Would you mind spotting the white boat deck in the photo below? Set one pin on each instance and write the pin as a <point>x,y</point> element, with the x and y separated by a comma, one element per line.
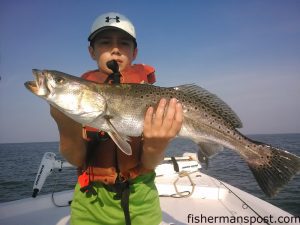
<point>213,201</point>
<point>210,202</point>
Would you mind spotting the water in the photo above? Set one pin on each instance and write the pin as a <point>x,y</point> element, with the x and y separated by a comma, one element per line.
<point>19,164</point>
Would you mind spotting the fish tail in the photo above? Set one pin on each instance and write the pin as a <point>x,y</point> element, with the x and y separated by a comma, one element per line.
<point>274,168</point>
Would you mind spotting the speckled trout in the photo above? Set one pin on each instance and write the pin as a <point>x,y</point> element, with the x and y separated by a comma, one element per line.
<point>119,109</point>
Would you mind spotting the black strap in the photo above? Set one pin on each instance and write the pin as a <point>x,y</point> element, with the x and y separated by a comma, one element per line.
<point>122,190</point>
<point>125,205</point>
<point>114,77</point>
<point>175,164</point>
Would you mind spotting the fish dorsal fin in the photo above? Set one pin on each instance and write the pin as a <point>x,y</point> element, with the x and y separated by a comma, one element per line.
<point>204,97</point>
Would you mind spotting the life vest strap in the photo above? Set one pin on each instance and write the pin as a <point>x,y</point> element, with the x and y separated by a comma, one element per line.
<point>109,176</point>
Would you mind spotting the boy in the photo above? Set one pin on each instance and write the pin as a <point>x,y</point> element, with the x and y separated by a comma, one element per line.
<point>114,188</point>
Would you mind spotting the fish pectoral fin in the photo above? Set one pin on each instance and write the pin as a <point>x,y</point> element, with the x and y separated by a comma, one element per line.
<point>207,150</point>
<point>120,140</point>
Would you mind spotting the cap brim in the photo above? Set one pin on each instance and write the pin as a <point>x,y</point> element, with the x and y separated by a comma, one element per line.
<point>96,32</point>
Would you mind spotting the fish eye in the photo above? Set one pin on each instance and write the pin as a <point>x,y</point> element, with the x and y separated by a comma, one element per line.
<point>59,80</point>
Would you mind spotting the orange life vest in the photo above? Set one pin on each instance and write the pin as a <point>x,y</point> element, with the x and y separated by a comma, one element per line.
<point>138,73</point>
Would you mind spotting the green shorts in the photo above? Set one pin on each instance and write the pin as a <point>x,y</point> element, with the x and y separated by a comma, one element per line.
<point>103,208</point>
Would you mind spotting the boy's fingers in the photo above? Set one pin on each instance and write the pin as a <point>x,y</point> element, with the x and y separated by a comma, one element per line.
<point>159,113</point>
<point>166,121</point>
<point>178,119</point>
<point>170,114</point>
<point>148,120</point>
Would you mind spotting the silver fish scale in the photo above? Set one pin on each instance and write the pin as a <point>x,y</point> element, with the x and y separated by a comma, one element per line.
<point>127,104</point>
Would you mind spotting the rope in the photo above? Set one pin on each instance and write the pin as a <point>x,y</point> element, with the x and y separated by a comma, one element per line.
<point>182,194</point>
<point>52,195</point>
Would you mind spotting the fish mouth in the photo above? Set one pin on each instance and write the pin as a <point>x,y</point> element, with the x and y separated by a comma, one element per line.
<point>31,86</point>
<point>39,85</point>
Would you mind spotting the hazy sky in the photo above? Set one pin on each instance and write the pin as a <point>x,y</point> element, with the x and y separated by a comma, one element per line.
<point>246,52</point>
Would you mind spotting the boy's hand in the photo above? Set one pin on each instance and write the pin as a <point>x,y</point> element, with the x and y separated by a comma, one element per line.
<point>159,128</point>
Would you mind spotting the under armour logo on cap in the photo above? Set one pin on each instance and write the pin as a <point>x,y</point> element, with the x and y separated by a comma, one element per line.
<point>107,19</point>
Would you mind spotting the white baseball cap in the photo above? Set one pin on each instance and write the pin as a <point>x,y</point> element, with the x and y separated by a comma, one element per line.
<point>112,20</point>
